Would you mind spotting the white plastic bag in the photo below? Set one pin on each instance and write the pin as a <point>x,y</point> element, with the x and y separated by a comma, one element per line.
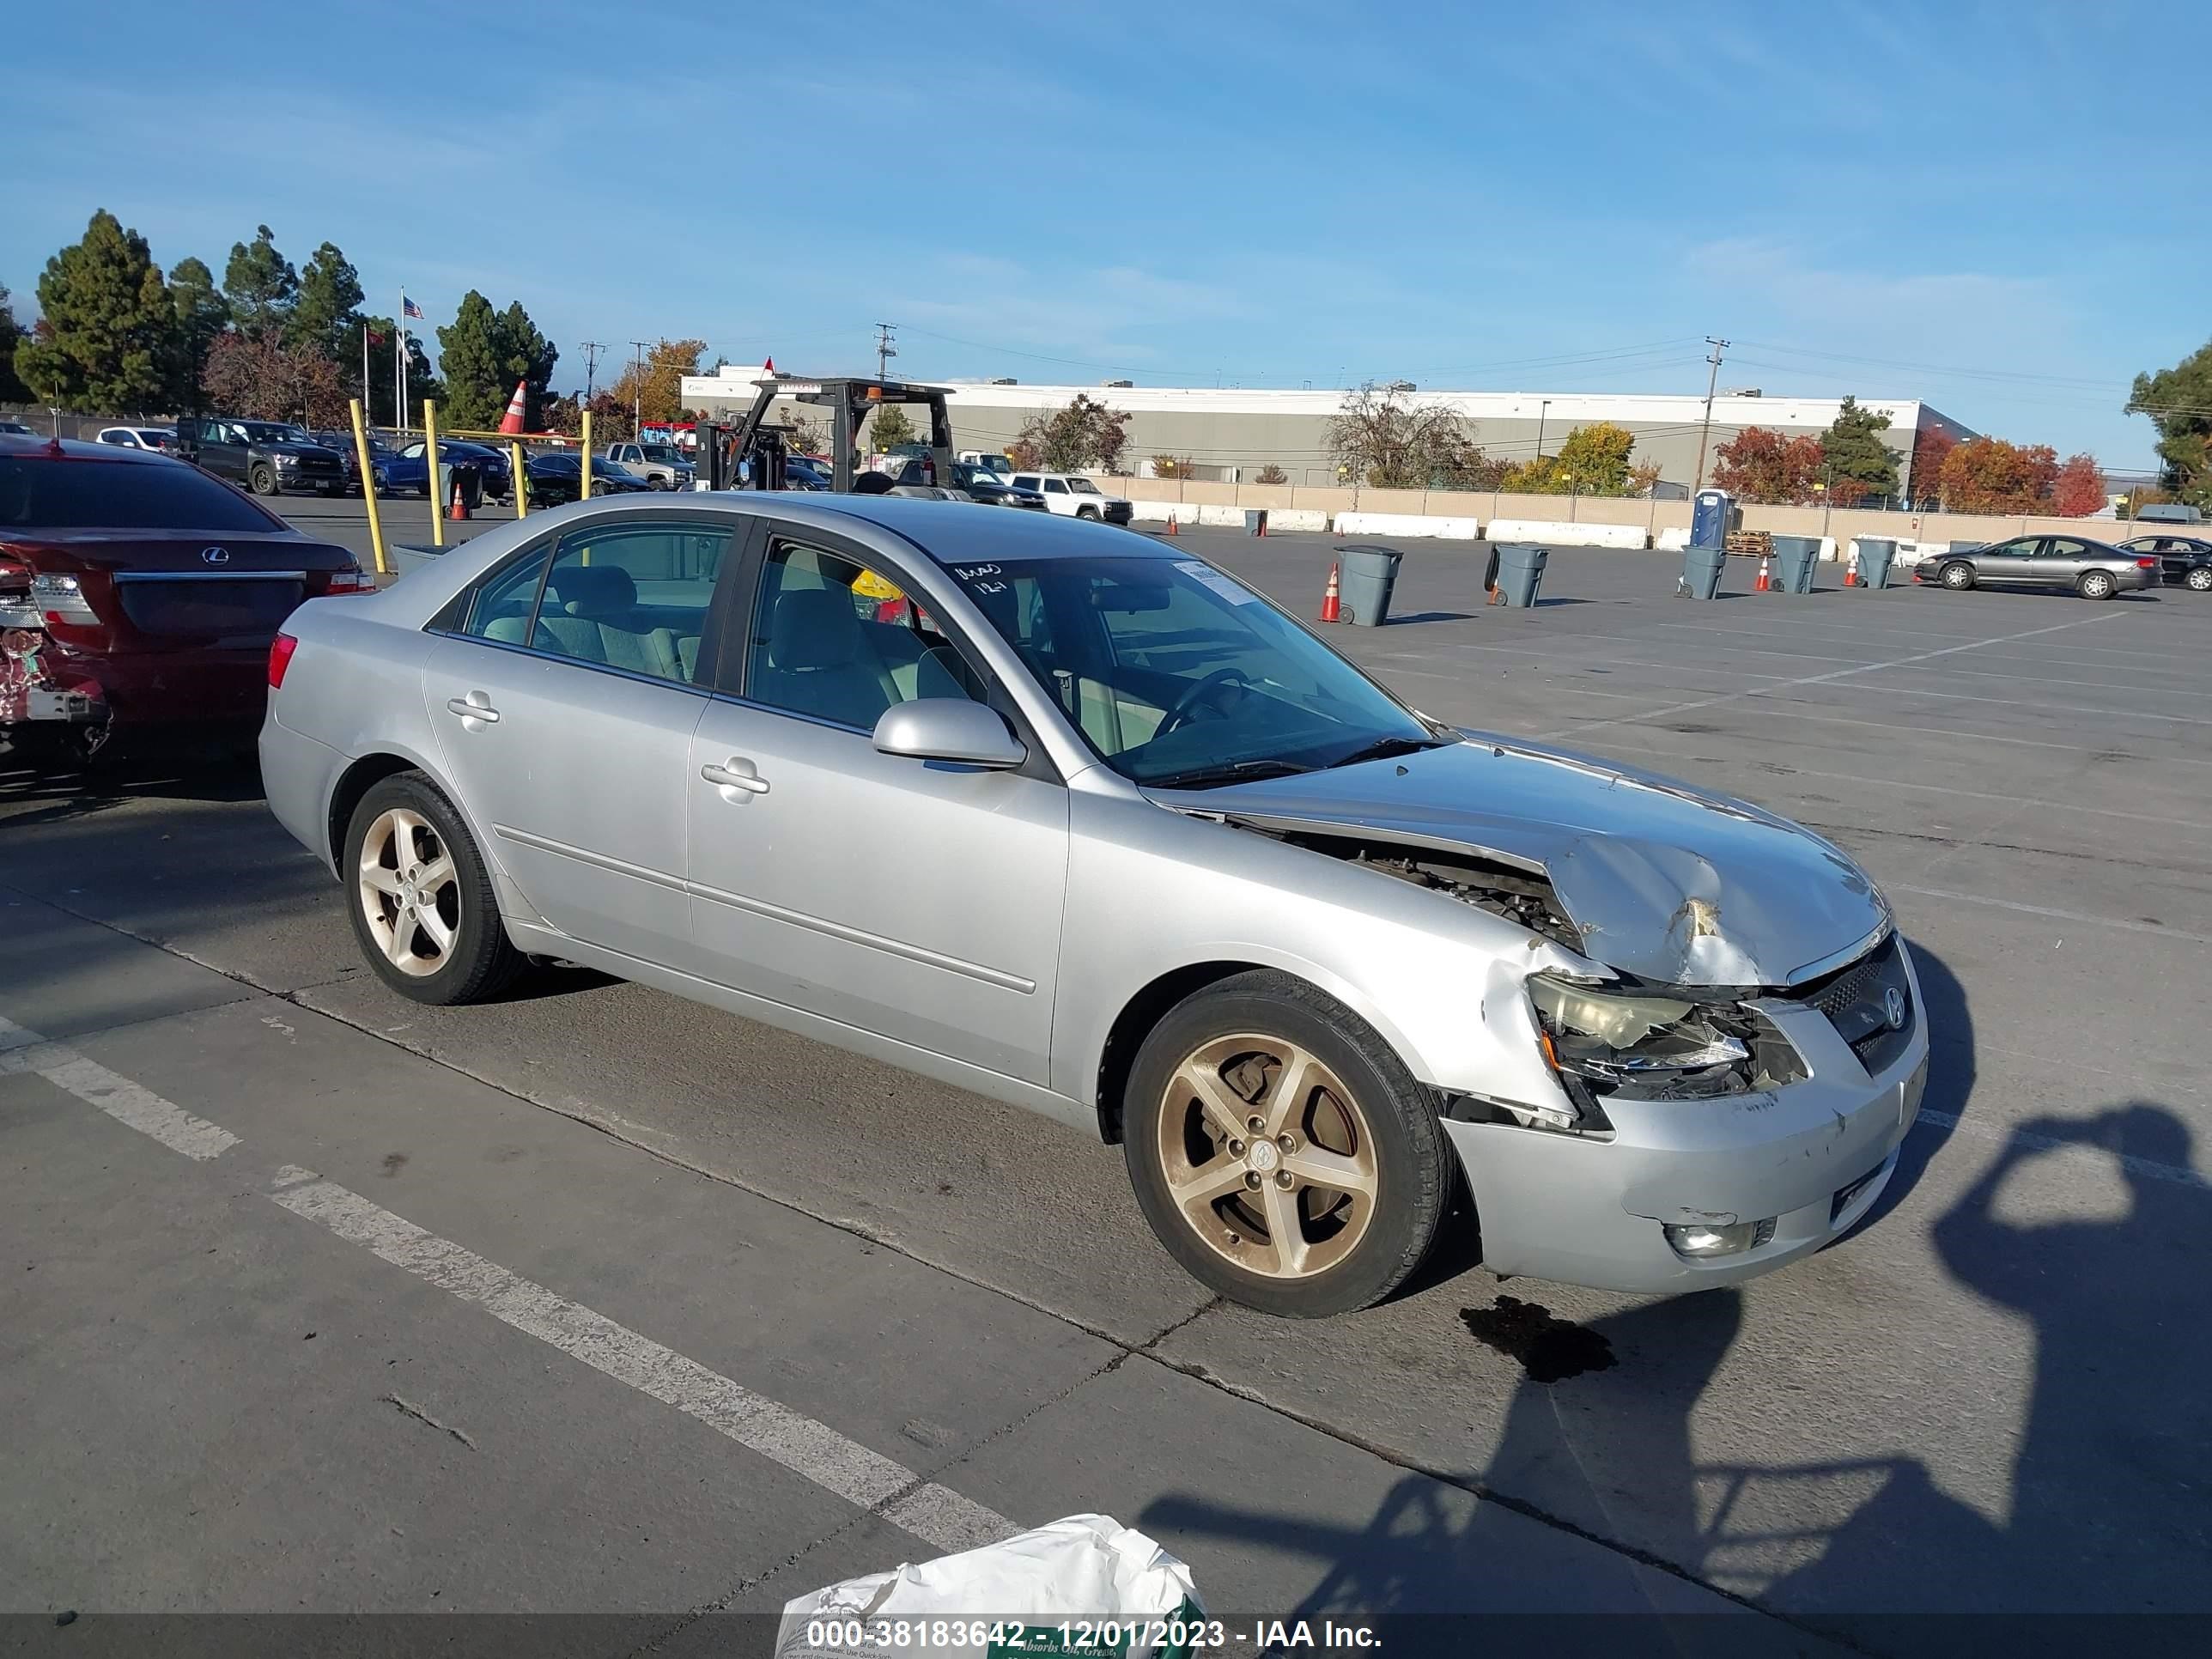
<point>1082,1586</point>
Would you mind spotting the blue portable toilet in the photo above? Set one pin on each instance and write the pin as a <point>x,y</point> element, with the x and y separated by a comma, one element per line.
<point>1712,515</point>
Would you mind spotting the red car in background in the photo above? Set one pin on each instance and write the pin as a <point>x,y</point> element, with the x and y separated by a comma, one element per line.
<point>139,592</point>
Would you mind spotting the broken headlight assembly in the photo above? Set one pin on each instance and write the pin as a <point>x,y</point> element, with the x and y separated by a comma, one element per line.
<point>1633,1044</point>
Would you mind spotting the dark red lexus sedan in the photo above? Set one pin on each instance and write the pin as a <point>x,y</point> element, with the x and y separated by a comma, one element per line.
<point>137,591</point>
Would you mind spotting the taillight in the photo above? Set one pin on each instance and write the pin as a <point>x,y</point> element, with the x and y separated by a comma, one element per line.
<point>352,580</point>
<point>280,658</point>
<point>2147,564</point>
<point>62,599</point>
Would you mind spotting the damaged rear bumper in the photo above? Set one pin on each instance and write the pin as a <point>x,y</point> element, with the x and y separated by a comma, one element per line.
<point>1812,1158</point>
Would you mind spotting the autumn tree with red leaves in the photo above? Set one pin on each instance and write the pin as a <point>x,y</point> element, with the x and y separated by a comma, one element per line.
<point>1761,466</point>
<point>2079,488</point>
<point>1988,475</point>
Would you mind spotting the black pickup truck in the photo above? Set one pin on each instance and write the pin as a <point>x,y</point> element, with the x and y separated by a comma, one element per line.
<point>270,457</point>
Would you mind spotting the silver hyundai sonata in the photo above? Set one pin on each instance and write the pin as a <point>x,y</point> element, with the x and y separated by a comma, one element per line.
<point>1062,815</point>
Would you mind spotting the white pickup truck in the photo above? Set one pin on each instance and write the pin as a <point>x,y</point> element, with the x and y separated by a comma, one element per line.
<point>663,466</point>
<point>1074,496</point>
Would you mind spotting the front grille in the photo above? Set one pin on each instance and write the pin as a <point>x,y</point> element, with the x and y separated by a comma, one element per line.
<point>1857,1003</point>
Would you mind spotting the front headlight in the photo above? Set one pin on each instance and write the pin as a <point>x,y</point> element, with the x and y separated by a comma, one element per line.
<point>1641,1046</point>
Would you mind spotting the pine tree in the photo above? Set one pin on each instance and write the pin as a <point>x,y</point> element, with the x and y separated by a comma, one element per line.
<point>2178,401</point>
<point>325,316</point>
<point>12,390</point>
<point>261,286</point>
<point>469,358</point>
<point>201,314</point>
<point>107,342</point>
<point>1853,453</point>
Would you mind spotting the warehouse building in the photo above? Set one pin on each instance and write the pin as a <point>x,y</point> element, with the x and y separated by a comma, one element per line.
<point>1231,433</point>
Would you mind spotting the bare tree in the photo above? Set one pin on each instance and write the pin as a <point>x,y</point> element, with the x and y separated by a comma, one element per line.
<point>1380,437</point>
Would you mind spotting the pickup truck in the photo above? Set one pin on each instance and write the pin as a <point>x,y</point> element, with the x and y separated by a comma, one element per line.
<point>270,457</point>
<point>1074,496</point>
<point>663,466</point>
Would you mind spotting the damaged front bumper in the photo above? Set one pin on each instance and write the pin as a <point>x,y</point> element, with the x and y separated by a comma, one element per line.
<point>1798,1164</point>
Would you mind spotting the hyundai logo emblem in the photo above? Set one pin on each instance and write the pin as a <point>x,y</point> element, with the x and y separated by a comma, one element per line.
<point>1892,1008</point>
<point>215,556</point>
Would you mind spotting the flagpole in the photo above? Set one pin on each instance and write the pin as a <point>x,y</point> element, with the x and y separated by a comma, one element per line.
<point>399,366</point>
<point>366,397</point>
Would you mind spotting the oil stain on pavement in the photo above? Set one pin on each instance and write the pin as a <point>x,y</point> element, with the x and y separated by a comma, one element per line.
<point>1548,1348</point>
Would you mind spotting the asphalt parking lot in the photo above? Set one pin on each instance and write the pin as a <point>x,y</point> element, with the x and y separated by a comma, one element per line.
<point>594,1299</point>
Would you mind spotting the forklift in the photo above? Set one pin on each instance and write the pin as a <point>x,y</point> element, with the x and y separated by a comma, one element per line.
<point>750,455</point>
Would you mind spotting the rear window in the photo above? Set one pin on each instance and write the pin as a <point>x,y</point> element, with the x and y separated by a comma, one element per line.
<point>39,494</point>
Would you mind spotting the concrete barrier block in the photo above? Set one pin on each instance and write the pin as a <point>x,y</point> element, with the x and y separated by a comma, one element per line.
<point>1673,540</point>
<point>1407,525</point>
<point>1227,517</point>
<point>1160,511</point>
<point>1561,533</point>
<point>1289,519</point>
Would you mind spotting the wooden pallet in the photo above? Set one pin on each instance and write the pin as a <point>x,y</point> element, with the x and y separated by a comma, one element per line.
<point>1759,544</point>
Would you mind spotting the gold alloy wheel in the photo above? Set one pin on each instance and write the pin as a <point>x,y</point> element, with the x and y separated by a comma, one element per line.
<point>1267,1156</point>
<point>410,894</point>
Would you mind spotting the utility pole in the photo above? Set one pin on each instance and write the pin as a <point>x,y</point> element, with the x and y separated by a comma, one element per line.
<point>1712,380</point>
<point>637,391</point>
<point>885,350</point>
<point>591,350</point>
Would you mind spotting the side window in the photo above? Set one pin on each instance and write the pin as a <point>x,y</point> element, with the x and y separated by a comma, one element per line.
<point>1053,487</point>
<point>502,606</point>
<point>836,641</point>
<point>1025,481</point>
<point>2059,547</point>
<point>634,596</point>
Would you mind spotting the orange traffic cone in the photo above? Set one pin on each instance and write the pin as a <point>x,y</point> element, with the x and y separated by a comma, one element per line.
<point>512,420</point>
<point>1765,582</point>
<point>1172,530</point>
<point>460,509</point>
<point>1852,568</point>
<point>1329,610</point>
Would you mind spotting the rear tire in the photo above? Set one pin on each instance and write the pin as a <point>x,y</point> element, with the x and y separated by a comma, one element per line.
<point>2096,585</point>
<point>420,897</point>
<point>1361,1118</point>
<point>1957,576</point>
<point>262,480</point>
<point>2199,579</point>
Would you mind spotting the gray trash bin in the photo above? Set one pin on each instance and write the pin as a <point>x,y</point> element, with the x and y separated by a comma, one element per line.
<point>1793,559</point>
<point>1701,571</point>
<point>1370,575</point>
<point>1876,555</point>
<point>1255,520</point>
<point>1520,573</point>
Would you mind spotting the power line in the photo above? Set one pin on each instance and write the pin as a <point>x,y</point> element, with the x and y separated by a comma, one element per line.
<point>1698,478</point>
<point>885,350</point>
<point>591,350</point>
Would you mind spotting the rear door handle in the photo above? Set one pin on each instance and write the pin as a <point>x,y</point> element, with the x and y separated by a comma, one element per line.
<point>469,709</point>
<point>727,777</point>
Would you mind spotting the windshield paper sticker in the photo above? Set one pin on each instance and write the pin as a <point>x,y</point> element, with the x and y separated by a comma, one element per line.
<point>1208,576</point>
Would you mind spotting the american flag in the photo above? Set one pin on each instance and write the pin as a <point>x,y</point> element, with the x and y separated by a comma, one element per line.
<point>409,308</point>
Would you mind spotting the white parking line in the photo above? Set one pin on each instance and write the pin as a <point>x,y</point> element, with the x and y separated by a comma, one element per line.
<point>2148,1167</point>
<point>2086,920</point>
<point>935,1514</point>
<point>1816,679</point>
<point>25,1050</point>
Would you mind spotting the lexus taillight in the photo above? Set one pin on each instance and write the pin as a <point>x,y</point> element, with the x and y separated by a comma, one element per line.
<point>351,580</point>
<point>62,599</point>
<point>280,658</point>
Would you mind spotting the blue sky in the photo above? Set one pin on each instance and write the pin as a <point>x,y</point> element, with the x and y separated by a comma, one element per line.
<point>1995,207</point>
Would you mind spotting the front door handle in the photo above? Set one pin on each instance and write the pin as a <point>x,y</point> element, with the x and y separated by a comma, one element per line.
<point>470,709</point>
<point>728,776</point>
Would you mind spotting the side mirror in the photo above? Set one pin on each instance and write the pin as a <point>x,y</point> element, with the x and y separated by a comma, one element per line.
<point>948,729</point>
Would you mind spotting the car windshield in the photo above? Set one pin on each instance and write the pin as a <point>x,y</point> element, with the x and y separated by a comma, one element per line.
<point>1179,676</point>
<point>610,470</point>
<point>41,493</point>
<point>1083,486</point>
<point>274,432</point>
<point>664,454</point>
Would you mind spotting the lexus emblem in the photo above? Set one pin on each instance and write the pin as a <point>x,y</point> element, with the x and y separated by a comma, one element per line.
<point>1892,1008</point>
<point>215,556</point>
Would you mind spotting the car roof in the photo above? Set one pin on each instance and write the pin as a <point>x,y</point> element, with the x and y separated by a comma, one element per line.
<point>956,534</point>
<point>14,446</point>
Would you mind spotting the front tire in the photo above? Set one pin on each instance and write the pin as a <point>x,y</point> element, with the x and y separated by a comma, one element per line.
<point>262,480</point>
<point>1334,1199</point>
<point>2199,579</point>
<point>2096,585</point>
<point>1086,512</point>
<point>420,897</point>
<point>1957,576</point>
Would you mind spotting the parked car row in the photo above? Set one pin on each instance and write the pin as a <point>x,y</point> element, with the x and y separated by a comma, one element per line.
<point>2093,570</point>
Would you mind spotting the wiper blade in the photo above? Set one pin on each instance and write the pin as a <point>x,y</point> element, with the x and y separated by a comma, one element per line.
<point>1243,771</point>
<point>1384,748</point>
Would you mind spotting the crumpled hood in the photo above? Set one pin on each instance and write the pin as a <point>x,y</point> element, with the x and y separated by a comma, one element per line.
<point>1665,881</point>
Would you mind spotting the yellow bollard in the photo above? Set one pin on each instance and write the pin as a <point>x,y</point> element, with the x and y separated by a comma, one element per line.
<point>430,463</point>
<point>368,489</point>
<point>521,478</point>
<point>584,494</point>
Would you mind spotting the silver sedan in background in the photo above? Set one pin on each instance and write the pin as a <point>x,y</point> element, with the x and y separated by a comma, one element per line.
<point>2095,571</point>
<point>1063,816</point>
